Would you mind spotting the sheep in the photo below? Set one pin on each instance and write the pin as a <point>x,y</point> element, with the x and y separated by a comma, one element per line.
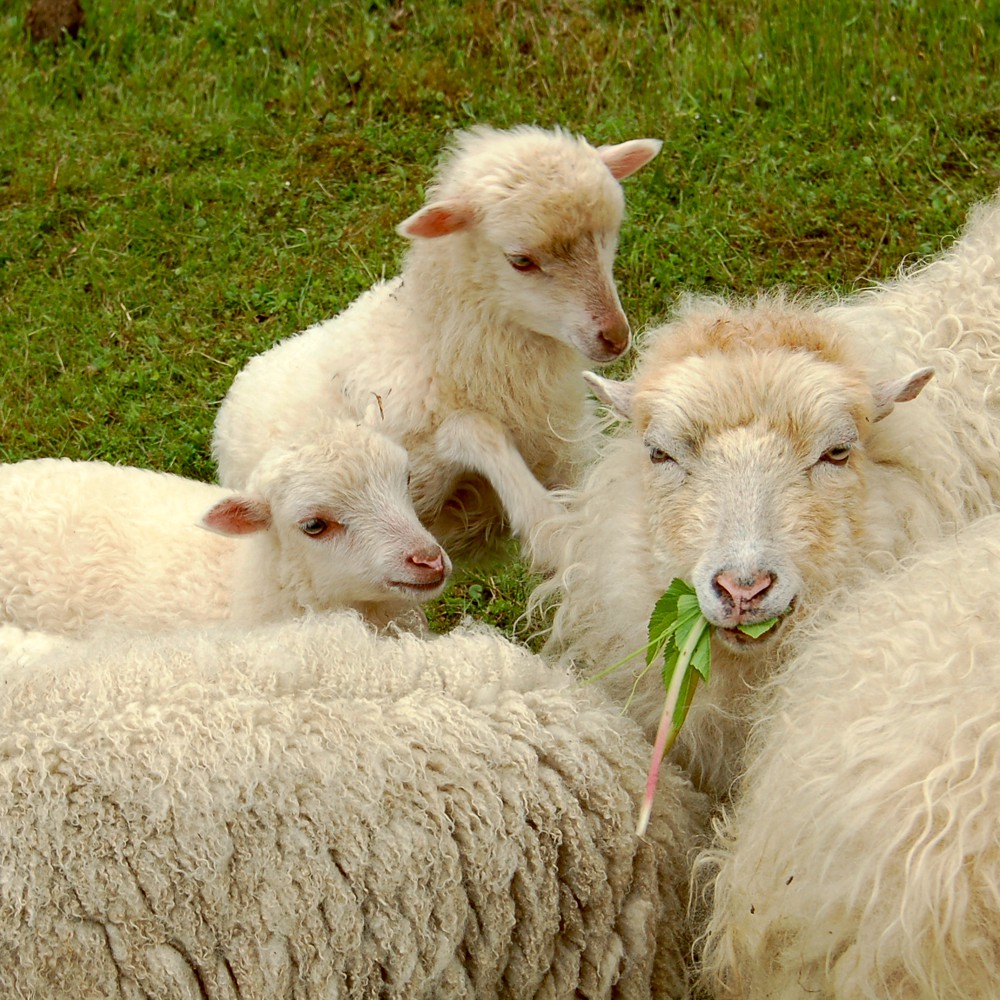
<point>22,646</point>
<point>862,856</point>
<point>326,524</point>
<point>475,350</point>
<point>764,465</point>
<point>307,809</point>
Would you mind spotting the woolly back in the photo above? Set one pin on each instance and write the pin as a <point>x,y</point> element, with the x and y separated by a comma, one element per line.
<point>877,875</point>
<point>308,810</point>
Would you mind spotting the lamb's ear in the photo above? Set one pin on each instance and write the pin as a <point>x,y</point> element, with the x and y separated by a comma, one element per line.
<point>617,396</point>
<point>439,218</point>
<point>237,515</point>
<point>626,158</point>
<point>899,390</point>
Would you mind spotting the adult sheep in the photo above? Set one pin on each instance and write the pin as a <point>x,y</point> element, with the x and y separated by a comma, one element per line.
<point>765,466</point>
<point>324,525</point>
<point>862,857</point>
<point>309,810</point>
<point>475,350</point>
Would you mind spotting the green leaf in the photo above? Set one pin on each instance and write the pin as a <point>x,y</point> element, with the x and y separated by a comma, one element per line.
<point>664,620</point>
<point>758,628</point>
<point>687,605</point>
<point>684,700</point>
<point>670,658</point>
<point>701,659</point>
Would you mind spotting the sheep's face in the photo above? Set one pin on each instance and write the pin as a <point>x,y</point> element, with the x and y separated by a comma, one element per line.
<point>757,508</point>
<point>535,217</point>
<point>339,518</point>
<point>755,474</point>
<point>348,525</point>
<point>563,289</point>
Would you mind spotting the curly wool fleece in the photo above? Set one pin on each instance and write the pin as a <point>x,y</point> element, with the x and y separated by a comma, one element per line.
<point>307,810</point>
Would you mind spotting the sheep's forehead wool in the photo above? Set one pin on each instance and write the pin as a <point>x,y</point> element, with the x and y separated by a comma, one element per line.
<point>350,461</point>
<point>531,185</point>
<point>792,394</point>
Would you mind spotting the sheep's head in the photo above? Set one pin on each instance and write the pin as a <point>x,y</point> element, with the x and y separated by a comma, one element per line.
<point>338,514</point>
<point>754,425</point>
<point>539,213</point>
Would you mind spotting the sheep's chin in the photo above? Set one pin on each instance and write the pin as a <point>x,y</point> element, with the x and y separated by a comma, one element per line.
<point>739,641</point>
<point>596,351</point>
<point>418,591</point>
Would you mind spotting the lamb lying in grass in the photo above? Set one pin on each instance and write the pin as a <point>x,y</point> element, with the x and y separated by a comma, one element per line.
<point>765,465</point>
<point>862,857</point>
<point>324,525</point>
<point>306,809</point>
<point>474,352</point>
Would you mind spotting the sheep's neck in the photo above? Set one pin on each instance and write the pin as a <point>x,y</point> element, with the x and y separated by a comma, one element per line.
<point>261,589</point>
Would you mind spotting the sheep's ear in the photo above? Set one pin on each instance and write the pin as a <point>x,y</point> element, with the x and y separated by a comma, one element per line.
<point>626,158</point>
<point>617,396</point>
<point>900,390</point>
<point>238,515</point>
<point>437,219</point>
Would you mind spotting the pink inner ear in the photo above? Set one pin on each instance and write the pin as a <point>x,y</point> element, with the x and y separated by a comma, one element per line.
<point>626,158</point>
<point>237,516</point>
<point>438,219</point>
<point>901,390</point>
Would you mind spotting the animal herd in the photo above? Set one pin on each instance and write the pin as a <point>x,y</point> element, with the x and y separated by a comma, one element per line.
<point>460,811</point>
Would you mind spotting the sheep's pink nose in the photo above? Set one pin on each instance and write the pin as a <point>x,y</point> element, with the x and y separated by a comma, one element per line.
<point>740,591</point>
<point>614,335</point>
<point>431,561</point>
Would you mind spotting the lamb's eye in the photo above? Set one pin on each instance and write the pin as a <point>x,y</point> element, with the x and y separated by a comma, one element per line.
<point>522,262</point>
<point>837,455</point>
<point>317,527</point>
<point>658,456</point>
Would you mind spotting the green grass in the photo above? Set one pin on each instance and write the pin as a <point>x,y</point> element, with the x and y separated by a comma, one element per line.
<point>187,183</point>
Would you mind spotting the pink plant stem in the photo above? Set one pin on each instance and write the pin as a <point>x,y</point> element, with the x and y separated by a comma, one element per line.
<point>666,733</point>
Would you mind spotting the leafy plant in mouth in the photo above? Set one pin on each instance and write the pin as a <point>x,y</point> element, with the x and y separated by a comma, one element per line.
<point>682,636</point>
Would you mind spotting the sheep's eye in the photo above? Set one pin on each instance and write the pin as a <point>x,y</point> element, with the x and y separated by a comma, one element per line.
<point>522,262</point>
<point>658,456</point>
<point>838,455</point>
<point>316,527</point>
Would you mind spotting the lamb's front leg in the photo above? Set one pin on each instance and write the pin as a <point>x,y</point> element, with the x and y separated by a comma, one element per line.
<point>481,444</point>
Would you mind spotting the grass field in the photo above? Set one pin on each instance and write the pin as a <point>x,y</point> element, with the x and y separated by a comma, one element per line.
<point>188,182</point>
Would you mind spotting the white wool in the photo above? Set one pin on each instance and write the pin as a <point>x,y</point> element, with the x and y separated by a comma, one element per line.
<point>768,436</point>
<point>861,860</point>
<point>84,544</point>
<point>474,352</point>
<point>309,810</point>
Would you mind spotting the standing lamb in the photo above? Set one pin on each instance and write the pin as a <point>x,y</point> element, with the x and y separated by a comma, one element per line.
<point>765,466</point>
<point>475,350</point>
<point>328,524</point>
<point>862,857</point>
<point>308,810</point>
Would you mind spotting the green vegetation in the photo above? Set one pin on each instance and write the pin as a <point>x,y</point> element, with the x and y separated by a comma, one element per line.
<point>188,182</point>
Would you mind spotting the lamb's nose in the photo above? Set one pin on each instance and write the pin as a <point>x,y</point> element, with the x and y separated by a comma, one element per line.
<point>615,335</point>
<point>431,561</point>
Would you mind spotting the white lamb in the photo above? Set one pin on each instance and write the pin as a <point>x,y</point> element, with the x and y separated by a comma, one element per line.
<point>309,810</point>
<point>474,352</point>
<point>861,860</point>
<point>765,466</point>
<point>328,524</point>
